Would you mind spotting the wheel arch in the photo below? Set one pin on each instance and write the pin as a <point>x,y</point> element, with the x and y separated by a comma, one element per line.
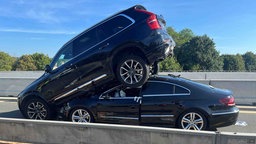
<point>194,109</point>
<point>131,48</point>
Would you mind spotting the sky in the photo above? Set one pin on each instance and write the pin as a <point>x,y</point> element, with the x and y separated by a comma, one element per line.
<point>43,26</point>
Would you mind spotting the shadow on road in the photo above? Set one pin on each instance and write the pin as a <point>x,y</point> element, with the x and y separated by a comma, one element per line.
<point>11,114</point>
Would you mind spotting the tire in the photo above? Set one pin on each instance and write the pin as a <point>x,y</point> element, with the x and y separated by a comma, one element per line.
<point>81,115</point>
<point>132,71</point>
<point>192,120</point>
<point>37,109</point>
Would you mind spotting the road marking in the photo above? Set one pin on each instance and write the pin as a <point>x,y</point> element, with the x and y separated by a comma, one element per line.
<point>248,112</point>
<point>4,101</point>
<point>247,107</point>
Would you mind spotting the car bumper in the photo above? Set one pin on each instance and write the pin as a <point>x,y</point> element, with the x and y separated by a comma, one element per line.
<point>160,52</point>
<point>222,119</point>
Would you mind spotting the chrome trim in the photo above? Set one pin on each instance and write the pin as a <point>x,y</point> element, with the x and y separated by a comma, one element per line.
<point>160,116</point>
<point>118,98</point>
<point>81,86</point>
<point>153,95</point>
<point>224,113</point>
<point>114,117</point>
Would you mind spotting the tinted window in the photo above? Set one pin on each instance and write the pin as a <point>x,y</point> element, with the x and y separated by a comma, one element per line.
<point>180,90</point>
<point>157,88</point>
<point>85,41</point>
<point>63,56</point>
<point>114,26</point>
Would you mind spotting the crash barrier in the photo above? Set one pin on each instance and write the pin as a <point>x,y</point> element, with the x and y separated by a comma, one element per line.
<point>35,131</point>
<point>243,84</point>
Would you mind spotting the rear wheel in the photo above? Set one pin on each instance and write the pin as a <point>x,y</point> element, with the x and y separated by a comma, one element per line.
<point>192,120</point>
<point>132,71</point>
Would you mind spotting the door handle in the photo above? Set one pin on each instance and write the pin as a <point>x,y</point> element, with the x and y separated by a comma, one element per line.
<point>104,46</point>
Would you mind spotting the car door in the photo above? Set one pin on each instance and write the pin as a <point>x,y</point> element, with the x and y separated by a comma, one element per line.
<point>159,102</point>
<point>117,106</point>
<point>63,77</point>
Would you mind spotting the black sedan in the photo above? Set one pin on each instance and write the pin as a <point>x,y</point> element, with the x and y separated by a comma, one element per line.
<point>168,101</point>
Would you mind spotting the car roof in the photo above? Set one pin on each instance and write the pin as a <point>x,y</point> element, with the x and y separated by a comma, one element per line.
<point>180,81</point>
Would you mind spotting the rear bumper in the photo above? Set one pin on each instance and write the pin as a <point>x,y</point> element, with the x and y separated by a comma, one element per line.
<point>222,119</point>
<point>160,52</point>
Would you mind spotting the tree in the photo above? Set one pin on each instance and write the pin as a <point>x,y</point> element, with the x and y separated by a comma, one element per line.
<point>40,60</point>
<point>233,63</point>
<point>6,61</point>
<point>36,61</point>
<point>170,64</point>
<point>25,63</point>
<point>180,37</point>
<point>199,54</point>
<point>249,61</point>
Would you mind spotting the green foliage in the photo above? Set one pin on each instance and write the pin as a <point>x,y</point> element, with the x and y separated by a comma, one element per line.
<point>250,61</point>
<point>25,63</point>
<point>233,62</point>
<point>40,60</point>
<point>180,37</point>
<point>6,61</point>
<point>170,64</point>
<point>199,54</point>
<point>32,62</point>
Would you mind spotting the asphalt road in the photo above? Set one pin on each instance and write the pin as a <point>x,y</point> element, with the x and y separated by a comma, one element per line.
<point>246,120</point>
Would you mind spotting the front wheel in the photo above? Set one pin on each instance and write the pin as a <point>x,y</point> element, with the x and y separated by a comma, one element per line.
<point>132,71</point>
<point>80,115</point>
<point>192,120</point>
<point>37,109</point>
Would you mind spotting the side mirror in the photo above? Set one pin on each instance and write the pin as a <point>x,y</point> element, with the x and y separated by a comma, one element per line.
<point>48,69</point>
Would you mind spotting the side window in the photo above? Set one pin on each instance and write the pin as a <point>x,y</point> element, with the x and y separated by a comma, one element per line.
<point>85,41</point>
<point>116,92</point>
<point>119,92</point>
<point>113,26</point>
<point>180,90</point>
<point>63,56</point>
<point>157,88</point>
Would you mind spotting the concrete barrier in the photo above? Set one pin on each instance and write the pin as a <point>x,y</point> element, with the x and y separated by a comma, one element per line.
<point>13,82</point>
<point>243,84</point>
<point>31,131</point>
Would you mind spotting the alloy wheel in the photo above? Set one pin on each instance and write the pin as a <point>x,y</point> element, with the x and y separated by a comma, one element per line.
<point>81,116</point>
<point>131,71</point>
<point>192,121</point>
<point>36,110</point>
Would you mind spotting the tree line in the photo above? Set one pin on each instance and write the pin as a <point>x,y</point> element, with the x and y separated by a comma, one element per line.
<point>192,53</point>
<point>28,62</point>
<point>198,53</point>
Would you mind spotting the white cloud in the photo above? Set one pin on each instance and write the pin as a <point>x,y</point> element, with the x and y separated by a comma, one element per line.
<point>36,31</point>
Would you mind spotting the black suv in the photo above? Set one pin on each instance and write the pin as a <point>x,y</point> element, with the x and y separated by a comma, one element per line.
<point>124,48</point>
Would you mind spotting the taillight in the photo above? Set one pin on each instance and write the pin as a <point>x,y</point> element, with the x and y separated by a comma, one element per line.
<point>228,101</point>
<point>152,20</point>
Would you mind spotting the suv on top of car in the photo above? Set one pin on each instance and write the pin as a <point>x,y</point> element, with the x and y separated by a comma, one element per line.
<point>125,47</point>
